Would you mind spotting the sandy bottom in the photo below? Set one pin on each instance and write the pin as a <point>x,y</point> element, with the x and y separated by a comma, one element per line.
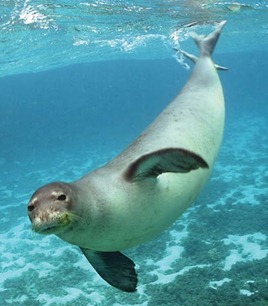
<point>215,254</point>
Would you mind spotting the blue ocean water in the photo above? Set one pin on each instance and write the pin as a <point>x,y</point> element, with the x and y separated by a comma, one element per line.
<point>79,81</point>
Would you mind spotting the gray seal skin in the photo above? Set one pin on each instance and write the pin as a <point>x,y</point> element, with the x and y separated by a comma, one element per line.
<point>148,186</point>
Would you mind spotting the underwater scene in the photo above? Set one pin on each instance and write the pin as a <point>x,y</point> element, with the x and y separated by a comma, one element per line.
<point>79,82</point>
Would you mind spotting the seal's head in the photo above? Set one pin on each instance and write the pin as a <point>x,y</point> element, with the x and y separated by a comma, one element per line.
<point>50,208</point>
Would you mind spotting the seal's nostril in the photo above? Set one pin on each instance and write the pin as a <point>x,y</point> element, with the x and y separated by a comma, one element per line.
<point>30,207</point>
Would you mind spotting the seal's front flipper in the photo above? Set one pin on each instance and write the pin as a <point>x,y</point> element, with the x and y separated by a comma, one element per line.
<point>115,268</point>
<point>166,160</point>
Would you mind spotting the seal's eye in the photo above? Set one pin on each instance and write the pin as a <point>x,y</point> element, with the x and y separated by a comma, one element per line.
<point>30,208</point>
<point>62,197</point>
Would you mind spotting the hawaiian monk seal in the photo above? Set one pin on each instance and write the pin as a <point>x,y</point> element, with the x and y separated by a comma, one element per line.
<point>148,186</point>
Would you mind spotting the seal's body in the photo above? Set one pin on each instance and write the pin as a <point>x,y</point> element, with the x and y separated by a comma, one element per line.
<point>148,186</point>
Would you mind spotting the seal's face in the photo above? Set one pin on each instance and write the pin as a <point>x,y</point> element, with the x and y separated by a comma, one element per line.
<point>50,208</point>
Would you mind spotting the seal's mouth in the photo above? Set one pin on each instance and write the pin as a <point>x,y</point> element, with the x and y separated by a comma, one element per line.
<point>48,229</point>
<point>51,223</point>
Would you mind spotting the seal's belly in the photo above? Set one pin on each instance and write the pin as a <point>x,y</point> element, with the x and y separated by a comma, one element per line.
<point>139,214</point>
<point>172,195</point>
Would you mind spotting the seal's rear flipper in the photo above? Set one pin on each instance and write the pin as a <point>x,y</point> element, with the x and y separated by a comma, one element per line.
<point>206,44</point>
<point>166,160</point>
<point>114,267</point>
<point>194,59</point>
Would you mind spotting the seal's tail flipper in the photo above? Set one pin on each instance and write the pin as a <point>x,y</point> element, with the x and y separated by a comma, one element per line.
<point>194,59</point>
<point>206,44</point>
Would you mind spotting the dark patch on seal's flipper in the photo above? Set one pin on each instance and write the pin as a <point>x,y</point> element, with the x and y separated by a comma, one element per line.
<point>165,160</point>
<point>114,267</point>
